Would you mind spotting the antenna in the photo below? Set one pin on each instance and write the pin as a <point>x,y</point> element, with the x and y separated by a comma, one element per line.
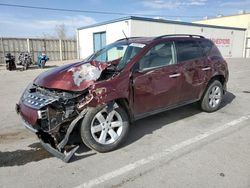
<point>125,35</point>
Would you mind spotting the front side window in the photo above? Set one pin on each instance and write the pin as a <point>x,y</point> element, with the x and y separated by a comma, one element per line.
<point>160,55</point>
<point>132,50</point>
<point>188,50</point>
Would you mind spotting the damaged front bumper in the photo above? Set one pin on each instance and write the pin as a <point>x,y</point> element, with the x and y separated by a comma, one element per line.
<point>58,150</point>
<point>64,156</point>
<point>28,126</point>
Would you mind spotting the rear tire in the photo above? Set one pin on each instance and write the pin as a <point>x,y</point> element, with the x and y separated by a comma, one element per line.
<point>212,97</point>
<point>104,130</point>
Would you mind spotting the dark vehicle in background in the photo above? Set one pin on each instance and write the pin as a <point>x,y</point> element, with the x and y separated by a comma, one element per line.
<point>25,60</point>
<point>10,62</point>
<point>125,81</point>
<point>41,60</point>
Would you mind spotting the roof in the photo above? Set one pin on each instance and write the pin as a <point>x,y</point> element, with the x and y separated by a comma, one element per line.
<point>159,21</point>
<point>147,40</point>
<point>143,40</point>
<point>221,17</point>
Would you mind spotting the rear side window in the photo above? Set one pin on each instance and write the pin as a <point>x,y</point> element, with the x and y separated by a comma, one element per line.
<point>188,50</point>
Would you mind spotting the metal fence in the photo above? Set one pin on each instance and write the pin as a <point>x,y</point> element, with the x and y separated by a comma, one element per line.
<point>54,48</point>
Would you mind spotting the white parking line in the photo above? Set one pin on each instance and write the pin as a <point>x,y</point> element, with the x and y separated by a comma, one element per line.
<point>238,72</point>
<point>157,156</point>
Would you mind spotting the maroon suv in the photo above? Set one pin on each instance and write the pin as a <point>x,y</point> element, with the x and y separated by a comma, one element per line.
<point>125,81</point>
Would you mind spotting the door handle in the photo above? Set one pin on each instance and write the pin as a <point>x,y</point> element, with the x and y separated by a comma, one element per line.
<point>174,75</point>
<point>206,68</point>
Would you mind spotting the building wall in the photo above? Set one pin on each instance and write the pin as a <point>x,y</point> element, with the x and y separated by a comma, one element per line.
<point>247,50</point>
<point>230,42</point>
<point>113,33</point>
<point>241,21</point>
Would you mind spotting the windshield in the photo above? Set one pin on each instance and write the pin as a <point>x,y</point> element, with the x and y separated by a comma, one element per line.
<point>122,52</point>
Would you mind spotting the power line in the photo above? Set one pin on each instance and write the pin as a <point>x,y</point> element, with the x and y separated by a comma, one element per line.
<point>92,11</point>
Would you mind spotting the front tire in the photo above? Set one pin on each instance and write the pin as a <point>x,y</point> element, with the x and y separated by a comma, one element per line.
<point>104,130</point>
<point>212,97</point>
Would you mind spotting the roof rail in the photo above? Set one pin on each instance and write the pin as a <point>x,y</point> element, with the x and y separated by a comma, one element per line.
<point>179,35</point>
<point>128,38</point>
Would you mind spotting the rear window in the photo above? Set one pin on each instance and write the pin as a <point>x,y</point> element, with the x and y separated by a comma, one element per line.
<point>187,50</point>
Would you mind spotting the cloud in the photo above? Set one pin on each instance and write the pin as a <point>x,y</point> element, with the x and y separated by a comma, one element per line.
<point>17,26</point>
<point>159,4</point>
<point>236,4</point>
<point>169,4</point>
<point>197,2</point>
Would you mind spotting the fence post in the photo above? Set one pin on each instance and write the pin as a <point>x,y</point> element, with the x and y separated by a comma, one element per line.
<point>28,45</point>
<point>77,44</point>
<point>60,47</point>
<point>2,45</point>
<point>3,50</point>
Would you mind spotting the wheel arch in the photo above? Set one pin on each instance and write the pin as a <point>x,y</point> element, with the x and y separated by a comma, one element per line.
<point>124,103</point>
<point>218,77</point>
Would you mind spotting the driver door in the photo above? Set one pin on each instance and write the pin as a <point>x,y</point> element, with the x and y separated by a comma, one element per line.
<point>156,84</point>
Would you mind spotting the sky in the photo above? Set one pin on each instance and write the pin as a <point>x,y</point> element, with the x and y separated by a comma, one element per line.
<point>23,22</point>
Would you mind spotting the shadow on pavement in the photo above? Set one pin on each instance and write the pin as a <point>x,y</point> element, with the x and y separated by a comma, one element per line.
<point>150,124</point>
<point>81,153</point>
<point>140,129</point>
<point>22,157</point>
<point>228,98</point>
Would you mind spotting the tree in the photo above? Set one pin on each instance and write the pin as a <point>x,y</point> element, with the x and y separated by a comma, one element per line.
<point>60,31</point>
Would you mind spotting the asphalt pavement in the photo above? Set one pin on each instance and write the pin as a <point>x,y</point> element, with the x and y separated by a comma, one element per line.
<point>184,147</point>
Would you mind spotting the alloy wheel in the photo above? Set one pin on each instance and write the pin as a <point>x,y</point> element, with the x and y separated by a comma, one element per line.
<point>106,127</point>
<point>215,96</point>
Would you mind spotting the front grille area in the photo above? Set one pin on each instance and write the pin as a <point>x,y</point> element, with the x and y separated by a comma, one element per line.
<point>37,101</point>
<point>42,114</point>
<point>53,108</point>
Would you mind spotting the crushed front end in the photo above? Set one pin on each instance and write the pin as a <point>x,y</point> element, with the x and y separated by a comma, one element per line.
<point>52,115</point>
<point>56,101</point>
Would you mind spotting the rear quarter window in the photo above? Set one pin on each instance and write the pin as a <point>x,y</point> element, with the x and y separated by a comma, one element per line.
<point>206,46</point>
<point>209,48</point>
<point>188,50</point>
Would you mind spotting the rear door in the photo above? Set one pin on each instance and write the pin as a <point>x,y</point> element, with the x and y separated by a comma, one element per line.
<point>207,47</point>
<point>157,81</point>
<point>191,60</point>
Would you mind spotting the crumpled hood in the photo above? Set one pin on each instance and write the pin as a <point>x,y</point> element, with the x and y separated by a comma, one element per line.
<point>72,77</point>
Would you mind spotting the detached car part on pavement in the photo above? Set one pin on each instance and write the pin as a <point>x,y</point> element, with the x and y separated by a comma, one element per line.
<point>132,78</point>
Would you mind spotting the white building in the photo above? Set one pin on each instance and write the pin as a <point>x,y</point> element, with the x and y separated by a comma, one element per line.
<point>241,20</point>
<point>230,40</point>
